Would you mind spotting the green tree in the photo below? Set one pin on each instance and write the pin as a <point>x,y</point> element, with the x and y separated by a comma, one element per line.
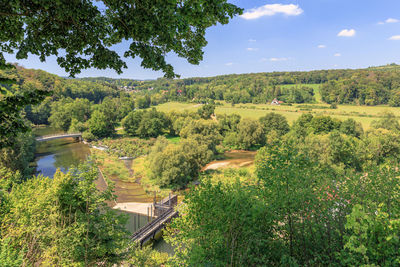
<point>153,123</point>
<point>301,127</point>
<point>100,125</point>
<point>64,221</point>
<point>372,238</point>
<point>205,111</point>
<point>44,28</point>
<point>276,122</point>
<point>351,127</point>
<point>223,225</point>
<point>324,124</point>
<point>204,132</point>
<point>131,122</point>
<point>250,134</point>
<point>39,114</point>
<point>388,122</point>
<point>174,166</point>
<point>66,109</point>
<point>381,145</point>
<point>301,196</point>
<point>228,123</point>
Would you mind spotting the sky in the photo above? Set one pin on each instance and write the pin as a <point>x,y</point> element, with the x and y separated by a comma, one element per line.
<point>284,35</point>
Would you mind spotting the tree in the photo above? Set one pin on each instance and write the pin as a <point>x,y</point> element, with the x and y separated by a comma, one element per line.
<point>148,123</point>
<point>301,127</point>
<point>351,127</point>
<point>66,109</point>
<point>64,221</point>
<point>205,111</point>
<point>153,123</point>
<point>174,166</point>
<point>250,134</point>
<point>39,114</point>
<point>388,122</point>
<point>228,123</point>
<point>204,132</point>
<point>223,225</point>
<point>324,124</point>
<point>276,122</point>
<point>131,122</point>
<point>301,196</point>
<point>11,105</point>
<point>100,126</point>
<point>87,30</point>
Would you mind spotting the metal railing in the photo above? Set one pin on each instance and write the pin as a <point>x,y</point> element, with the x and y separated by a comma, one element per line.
<point>58,135</point>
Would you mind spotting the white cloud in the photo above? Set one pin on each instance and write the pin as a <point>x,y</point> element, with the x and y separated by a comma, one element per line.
<point>322,46</point>
<point>278,59</point>
<point>252,40</point>
<point>347,33</point>
<point>395,38</point>
<point>272,9</point>
<point>337,55</point>
<point>229,64</point>
<point>252,49</point>
<point>391,20</point>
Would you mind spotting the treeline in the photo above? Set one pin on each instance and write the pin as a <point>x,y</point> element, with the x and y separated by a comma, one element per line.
<point>371,86</point>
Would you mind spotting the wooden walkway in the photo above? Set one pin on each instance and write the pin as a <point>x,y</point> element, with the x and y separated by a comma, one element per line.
<point>57,136</point>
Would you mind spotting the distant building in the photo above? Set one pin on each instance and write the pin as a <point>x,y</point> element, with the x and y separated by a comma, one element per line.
<point>276,102</point>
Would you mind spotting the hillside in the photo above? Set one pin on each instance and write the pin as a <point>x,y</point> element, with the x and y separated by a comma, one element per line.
<point>370,86</point>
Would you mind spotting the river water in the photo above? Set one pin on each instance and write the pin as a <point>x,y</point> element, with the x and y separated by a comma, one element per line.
<point>58,154</point>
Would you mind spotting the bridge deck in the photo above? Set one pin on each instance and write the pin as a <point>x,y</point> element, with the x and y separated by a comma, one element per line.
<point>57,136</point>
<point>154,226</point>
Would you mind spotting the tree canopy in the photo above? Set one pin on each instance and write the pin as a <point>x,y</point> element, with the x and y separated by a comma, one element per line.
<point>85,31</point>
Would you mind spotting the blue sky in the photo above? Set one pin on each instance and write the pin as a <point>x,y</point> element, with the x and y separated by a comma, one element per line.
<point>282,36</point>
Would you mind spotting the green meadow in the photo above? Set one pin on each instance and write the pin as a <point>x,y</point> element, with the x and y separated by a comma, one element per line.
<point>363,114</point>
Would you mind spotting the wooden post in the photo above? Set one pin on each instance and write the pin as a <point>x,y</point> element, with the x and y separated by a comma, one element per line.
<point>147,214</point>
<point>151,212</point>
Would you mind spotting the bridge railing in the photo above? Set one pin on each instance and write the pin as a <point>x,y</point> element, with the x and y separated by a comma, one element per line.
<point>152,224</point>
<point>56,135</point>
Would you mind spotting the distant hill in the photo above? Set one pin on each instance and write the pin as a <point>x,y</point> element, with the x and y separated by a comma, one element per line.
<point>369,86</point>
<point>28,79</point>
<point>392,66</point>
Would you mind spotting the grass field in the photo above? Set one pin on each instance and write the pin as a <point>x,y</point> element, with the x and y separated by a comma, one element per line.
<point>363,114</point>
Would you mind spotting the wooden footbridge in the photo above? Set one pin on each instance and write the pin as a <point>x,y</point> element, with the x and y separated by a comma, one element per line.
<point>59,136</point>
<point>148,232</point>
